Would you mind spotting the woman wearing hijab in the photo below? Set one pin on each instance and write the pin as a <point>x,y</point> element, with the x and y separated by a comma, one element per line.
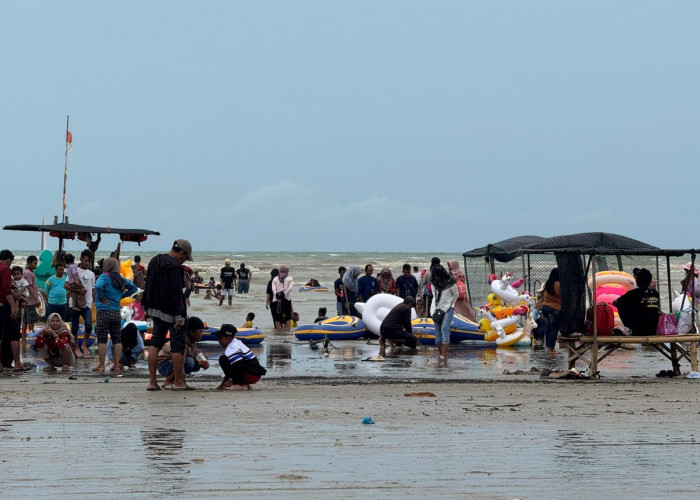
<point>351,286</point>
<point>463,306</point>
<point>110,288</point>
<point>387,283</point>
<point>443,308</point>
<point>55,344</point>
<point>282,292</point>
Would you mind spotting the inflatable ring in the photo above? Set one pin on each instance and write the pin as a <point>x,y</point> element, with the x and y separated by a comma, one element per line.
<point>613,277</point>
<point>510,339</point>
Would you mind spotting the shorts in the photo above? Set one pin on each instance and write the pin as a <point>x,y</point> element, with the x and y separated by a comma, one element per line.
<point>108,323</point>
<point>177,337</point>
<point>29,315</point>
<point>227,291</point>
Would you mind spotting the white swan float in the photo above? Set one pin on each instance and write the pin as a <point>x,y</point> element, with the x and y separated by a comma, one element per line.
<point>376,308</point>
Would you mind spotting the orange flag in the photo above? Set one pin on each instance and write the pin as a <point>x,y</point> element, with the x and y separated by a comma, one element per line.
<point>69,141</point>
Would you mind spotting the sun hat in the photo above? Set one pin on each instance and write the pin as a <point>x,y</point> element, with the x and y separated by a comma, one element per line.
<point>688,265</point>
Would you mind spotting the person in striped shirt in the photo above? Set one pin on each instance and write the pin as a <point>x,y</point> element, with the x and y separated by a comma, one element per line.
<point>240,365</point>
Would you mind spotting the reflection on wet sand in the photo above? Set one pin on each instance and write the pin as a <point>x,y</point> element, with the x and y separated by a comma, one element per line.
<point>165,455</point>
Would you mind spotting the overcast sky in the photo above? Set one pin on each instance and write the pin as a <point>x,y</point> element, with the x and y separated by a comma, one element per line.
<point>434,126</point>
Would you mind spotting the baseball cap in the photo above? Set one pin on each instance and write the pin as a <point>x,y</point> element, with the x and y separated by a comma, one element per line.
<point>185,246</point>
<point>226,329</point>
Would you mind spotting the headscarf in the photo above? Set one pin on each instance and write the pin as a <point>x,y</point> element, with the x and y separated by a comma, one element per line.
<point>456,271</point>
<point>48,328</point>
<point>385,282</point>
<point>110,267</point>
<point>440,278</point>
<point>350,278</point>
<point>283,272</point>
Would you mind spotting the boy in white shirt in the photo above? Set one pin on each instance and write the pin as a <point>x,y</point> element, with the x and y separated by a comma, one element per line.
<point>240,366</point>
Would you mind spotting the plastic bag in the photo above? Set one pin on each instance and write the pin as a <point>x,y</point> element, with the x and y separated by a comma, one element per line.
<point>666,325</point>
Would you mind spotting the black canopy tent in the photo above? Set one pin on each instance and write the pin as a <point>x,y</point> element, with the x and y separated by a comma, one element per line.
<point>576,255</point>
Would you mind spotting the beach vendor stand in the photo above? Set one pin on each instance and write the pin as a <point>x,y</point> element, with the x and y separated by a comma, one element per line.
<point>577,255</point>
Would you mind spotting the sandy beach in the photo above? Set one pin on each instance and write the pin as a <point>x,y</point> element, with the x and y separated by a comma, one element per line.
<point>64,435</point>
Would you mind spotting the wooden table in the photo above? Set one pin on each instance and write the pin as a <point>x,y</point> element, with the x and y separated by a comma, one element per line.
<point>674,347</point>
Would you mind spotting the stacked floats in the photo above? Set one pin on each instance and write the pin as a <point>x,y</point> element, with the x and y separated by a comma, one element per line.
<point>506,318</point>
<point>610,286</point>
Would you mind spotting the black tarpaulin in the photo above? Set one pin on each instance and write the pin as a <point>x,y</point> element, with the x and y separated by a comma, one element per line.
<point>506,250</point>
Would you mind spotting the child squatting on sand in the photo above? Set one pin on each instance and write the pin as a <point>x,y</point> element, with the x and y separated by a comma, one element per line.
<point>240,366</point>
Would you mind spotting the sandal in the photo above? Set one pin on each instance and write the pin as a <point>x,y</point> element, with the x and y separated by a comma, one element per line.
<point>156,388</point>
<point>186,388</point>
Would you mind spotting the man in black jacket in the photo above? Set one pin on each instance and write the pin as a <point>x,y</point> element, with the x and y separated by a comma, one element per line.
<point>397,326</point>
<point>164,302</point>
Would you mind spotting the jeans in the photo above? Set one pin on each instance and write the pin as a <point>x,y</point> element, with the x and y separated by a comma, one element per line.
<point>339,308</point>
<point>243,286</point>
<point>549,319</point>
<point>135,352</point>
<point>86,314</point>
<point>165,367</point>
<point>442,331</point>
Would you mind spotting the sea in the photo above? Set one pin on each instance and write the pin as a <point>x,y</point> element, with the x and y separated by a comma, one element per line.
<point>285,356</point>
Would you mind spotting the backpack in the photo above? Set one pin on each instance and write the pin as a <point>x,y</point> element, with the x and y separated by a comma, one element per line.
<point>605,318</point>
<point>461,290</point>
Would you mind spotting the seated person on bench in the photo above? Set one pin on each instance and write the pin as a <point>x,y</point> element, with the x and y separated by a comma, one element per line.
<point>639,308</point>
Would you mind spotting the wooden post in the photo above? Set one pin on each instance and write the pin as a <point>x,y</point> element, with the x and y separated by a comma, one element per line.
<point>594,346</point>
<point>668,278</point>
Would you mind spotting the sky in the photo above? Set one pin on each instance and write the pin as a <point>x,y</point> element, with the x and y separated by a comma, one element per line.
<point>387,126</point>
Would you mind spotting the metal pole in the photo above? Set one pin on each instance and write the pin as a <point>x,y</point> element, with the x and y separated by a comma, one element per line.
<point>69,140</point>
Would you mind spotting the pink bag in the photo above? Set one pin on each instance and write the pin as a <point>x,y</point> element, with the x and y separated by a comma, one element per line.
<point>666,325</point>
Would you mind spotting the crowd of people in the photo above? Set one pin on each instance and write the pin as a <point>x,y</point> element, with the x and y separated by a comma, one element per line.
<point>162,294</point>
<point>437,291</point>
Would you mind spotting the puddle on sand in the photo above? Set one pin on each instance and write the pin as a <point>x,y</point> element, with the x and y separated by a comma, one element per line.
<point>284,357</point>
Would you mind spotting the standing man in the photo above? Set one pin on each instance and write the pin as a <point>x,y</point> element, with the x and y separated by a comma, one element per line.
<point>87,280</point>
<point>339,296</point>
<point>244,276</point>
<point>406,284</point>
<point>29,313</point>
<point>164,302</point>
<point>8,306</point>
<point>227,277</point>
<point>367,285</point>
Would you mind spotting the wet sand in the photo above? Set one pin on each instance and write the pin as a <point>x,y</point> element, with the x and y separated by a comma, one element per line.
<point>63,435</point>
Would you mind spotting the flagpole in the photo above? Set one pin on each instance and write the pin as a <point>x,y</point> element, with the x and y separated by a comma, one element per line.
<point>69,139</point>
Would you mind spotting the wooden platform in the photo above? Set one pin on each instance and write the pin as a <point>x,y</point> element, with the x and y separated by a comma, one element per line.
<point>674,347</point>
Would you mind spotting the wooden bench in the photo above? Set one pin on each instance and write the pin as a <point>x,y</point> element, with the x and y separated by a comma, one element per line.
<point>674,347</point>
